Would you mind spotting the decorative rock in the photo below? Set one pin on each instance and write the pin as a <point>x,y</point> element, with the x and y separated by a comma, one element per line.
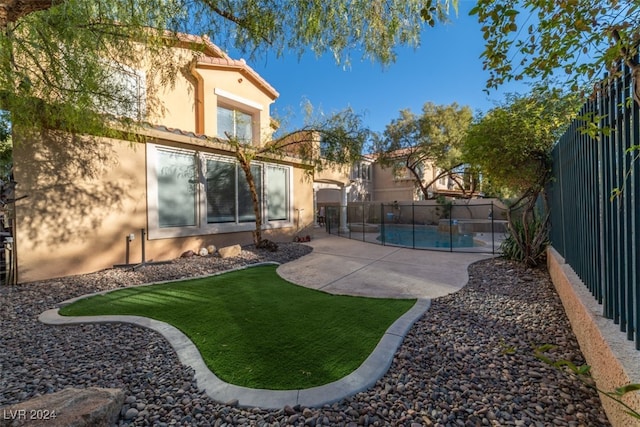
<point>211,249</point>
<point>91,407</point>
<point>230,251</point>
<point>457,365</point>
<point>203,252</point>
<point>187,254</point>
<point>131,414</point>
<point>232,402</point>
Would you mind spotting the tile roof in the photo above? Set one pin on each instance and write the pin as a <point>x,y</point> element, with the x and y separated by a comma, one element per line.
<point>215,56</point>
<point>176,131</point>
<point>240,65</point>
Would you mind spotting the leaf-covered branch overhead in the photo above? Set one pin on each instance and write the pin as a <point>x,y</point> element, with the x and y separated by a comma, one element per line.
<point>55,51</point>
<point>571,42</point>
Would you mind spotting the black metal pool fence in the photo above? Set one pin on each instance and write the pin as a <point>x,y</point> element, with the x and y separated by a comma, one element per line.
<point>459,226</point>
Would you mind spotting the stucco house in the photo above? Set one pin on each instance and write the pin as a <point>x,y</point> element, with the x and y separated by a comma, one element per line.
<point>397,182</point>
<point>178,187</point>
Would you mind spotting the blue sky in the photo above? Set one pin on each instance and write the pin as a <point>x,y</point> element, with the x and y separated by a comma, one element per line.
<point>446,68</point>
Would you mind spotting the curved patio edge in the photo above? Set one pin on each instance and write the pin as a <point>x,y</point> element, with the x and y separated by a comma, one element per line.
<point>364,377</point>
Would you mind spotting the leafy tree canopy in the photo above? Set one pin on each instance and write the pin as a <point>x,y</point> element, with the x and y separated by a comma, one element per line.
<point>435,137</point>
<point>58,58</point>
<point>511,144</point>
<point>572,40</point>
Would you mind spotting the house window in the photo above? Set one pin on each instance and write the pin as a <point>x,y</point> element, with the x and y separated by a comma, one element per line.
<point>366,171</point>
<point>127,92</point>
<point>194,193</point>
<point>177,190</point>
<point>234,123</point>
<point>400,171</point>
<point>362,171</point>
<point>227,191</point>
<point>277,193</point>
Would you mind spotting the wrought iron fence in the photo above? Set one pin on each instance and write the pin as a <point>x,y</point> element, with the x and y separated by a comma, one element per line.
<point>595,197</point>
<point>454,227</point>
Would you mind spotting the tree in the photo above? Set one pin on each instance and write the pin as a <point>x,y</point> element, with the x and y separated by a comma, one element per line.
<point>60,61</point>
<point>324,142</point>
<point>511,145</point>
<point>546,39</point>
<point>6,147</point>
<point>433,138</point>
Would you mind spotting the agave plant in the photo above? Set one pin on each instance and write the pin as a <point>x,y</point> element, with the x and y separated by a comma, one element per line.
<point>526,240</point>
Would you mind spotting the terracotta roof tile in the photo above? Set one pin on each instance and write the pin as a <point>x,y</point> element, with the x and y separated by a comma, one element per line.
<point>175,131</point>
<point>215,56</point>
<point>241,65</point>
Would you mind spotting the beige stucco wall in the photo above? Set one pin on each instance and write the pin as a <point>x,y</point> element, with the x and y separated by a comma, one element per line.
<point>85,196</point>
<point>179,104</point>
<point>338,175</point>
<point>613,359</point>
<point>388,189</point>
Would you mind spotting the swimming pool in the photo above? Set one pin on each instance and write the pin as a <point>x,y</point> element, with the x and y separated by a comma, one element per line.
<point>423,236</point>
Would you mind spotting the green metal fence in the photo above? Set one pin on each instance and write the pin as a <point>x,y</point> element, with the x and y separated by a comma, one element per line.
<point>595,216</point>
<point>451,227</point>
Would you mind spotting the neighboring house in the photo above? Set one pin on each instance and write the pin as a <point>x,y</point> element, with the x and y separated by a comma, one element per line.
<point>337,187</point>
<point>175,189</point>
<point>397,182</point>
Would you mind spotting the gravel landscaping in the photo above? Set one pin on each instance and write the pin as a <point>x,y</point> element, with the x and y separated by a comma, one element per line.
<point>468,362</point>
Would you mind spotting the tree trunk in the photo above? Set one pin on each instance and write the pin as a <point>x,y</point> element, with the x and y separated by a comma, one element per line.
<point>12,10</point>
<point>245,165</point>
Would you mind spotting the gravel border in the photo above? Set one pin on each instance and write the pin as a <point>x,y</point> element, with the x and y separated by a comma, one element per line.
<point>467,362</point>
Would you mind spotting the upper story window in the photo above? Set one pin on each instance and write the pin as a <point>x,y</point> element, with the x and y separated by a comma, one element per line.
<point>128,91</point>
<point>237,117</point>
<point>362,171</point>
<point>234,124</point>
<point>400,171</point>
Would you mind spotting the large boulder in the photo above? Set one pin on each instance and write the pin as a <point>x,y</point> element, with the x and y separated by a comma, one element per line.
<point>230,251</point>
<point>71,407</point>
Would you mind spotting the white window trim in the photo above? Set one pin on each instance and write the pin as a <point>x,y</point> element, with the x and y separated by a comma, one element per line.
<point>238,100</point>
<point>247,106</point>
<point>282,223</point>
<point>153,221</point>
<point>202,227</point>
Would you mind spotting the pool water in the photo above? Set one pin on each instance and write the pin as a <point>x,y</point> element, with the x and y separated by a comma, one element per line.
<point>425,237</point>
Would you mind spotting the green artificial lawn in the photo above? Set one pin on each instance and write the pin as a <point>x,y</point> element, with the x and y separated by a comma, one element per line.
<point>255,329</point>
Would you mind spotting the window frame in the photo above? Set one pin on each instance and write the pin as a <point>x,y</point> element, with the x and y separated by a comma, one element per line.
<point>203,227</point>
<point>236,122</point>
<point>133,80</point>
<point>235,103</point>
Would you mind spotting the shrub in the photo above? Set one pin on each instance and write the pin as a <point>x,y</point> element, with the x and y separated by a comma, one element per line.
<point>526,241</point>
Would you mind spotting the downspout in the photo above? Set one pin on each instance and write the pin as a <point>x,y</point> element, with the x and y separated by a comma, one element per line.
<point>199,98</point>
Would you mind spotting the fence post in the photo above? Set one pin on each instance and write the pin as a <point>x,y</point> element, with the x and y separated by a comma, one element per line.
<point>383,232</point>
<point>493,231</point>
<point>413,224</point>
